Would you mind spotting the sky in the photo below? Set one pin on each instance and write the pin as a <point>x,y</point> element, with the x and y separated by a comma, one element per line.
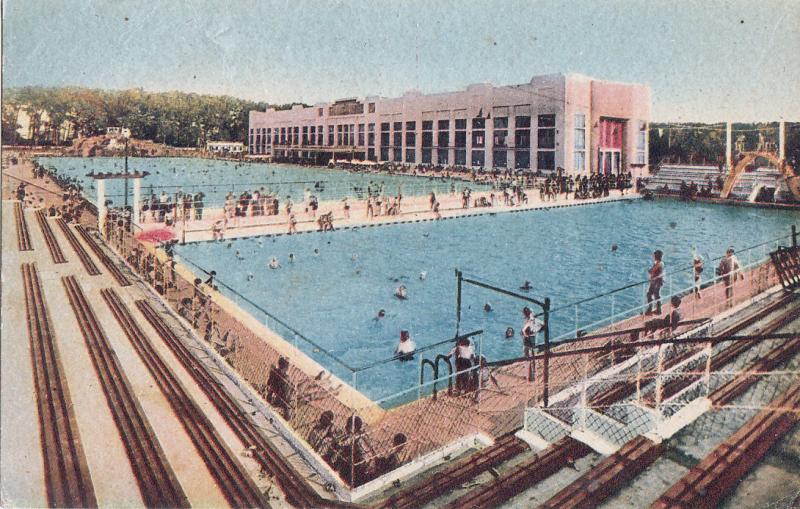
<point>705,60</point>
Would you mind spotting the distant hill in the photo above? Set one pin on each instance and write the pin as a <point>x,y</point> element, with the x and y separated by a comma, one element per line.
<point>55,116</point>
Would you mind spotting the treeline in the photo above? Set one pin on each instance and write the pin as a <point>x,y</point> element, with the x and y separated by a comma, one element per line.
<point>695,143</point>
<point>175,118</point>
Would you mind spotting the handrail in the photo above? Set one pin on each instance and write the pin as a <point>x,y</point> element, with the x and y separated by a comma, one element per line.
<point>435,368</point>
<point>446,359</point>
<point>418,350</point>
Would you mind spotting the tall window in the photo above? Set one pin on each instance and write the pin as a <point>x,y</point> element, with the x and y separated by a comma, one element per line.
<point>371,136</point>
<point>427,135</point>
<point>522,141</point>
<point>478,132</point>
<point>330,135</point>
<point>305,135</point>
<point>641,143</point>
<point>252,142</point>
<point>360,135</point>
<point>579,162</point>
<point>546,138</point>
<point>397,141</point>
<point>500,131</point>
<point>411,134</point>
<point>384,138</point>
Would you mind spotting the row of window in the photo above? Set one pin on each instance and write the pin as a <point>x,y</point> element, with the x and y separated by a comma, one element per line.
<point>391,140</point>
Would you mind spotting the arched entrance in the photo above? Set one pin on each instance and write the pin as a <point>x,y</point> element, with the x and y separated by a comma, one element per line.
<point>789,174</point>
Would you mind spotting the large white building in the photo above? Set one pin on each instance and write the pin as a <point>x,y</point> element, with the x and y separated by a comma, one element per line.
<point>568,121</point>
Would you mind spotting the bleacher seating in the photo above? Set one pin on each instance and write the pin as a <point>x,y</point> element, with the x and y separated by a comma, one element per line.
<point>671,175</point>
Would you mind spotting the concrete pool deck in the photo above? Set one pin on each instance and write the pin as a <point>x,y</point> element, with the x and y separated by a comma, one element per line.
<point>414,209</point>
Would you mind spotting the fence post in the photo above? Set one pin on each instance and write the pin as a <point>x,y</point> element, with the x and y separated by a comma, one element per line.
<point>546,308</point>
<point>458,301</point>
<point>576,320</point>
<point>639,377</point>
<point>659,381</point>
<point>709,351</point>
<point>584,398</point>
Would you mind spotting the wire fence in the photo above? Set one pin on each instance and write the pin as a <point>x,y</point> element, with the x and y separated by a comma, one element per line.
<point>316,393</point>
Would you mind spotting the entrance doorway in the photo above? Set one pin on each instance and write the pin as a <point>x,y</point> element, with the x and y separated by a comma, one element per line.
<point>609,146</point>
<point>609,161</point>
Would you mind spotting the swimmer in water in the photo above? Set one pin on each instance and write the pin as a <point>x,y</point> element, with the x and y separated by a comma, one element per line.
<point>274,264</point>
<point>250,276</point>
<point>526,286</point>
<point>291,257</point>
<point>239,255</point>
<point>354,257</point>
<point>510,333</point>
<point>423,276</point>
<point>614,248</point>
<point>381,314</point>
<point>487,307</point>
<point>316,251</point>
<point>401,292</point>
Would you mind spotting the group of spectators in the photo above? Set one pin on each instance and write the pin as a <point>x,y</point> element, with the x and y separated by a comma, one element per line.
<point>345,448</point>
<point>71,206</point>
<point>167,208</point>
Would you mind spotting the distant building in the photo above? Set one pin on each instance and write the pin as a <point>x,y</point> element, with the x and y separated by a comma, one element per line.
<point>225,147</point>
<point>569,121</point>
<point>118,131</point>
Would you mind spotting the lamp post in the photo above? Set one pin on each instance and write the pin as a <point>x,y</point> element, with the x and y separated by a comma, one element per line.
<point>126,171</point>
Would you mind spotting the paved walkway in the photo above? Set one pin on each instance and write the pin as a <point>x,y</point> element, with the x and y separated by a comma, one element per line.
<point>414,209</point>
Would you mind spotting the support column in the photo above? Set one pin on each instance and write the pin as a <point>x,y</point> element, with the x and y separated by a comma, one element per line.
<point>781,140</point>
<point>101,204</point>
<point>729,146</point>
<point>137,200</point>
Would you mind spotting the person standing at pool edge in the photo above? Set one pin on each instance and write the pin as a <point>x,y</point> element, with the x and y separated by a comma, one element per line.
<point>728,270</point>
<point>656,274</point>
<point>530,329</point>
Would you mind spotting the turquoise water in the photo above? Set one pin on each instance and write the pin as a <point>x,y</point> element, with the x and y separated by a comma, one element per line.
<point>216,178</point>
<point>333,297</point>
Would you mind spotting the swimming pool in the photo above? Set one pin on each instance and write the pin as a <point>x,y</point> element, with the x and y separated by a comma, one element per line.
<point>338,281</point>
<point>215,178</point>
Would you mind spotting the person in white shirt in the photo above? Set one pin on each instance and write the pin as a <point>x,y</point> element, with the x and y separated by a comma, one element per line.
<point>406,347</point>
<point>464,354</point>
<point>530,329</point>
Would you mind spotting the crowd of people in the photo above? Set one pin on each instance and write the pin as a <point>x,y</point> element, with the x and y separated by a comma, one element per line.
<point>70,207</point>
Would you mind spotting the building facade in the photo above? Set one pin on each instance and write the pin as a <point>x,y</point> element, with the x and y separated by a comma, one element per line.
<point>225,147</point>
<point>556,121</point>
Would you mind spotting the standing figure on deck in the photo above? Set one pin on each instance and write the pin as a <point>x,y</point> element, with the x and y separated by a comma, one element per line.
<point>656,274</point>
<point>530,329</point>
<point>728,270</point>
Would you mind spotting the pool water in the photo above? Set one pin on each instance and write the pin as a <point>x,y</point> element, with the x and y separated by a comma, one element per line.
<point>338,281</point>
<point>215,178</point>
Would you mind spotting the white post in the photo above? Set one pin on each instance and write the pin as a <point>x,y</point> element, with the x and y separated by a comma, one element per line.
<point>137,199</point>
<point>782,140</point>
<point>101,204</point>
<point>729,146</point>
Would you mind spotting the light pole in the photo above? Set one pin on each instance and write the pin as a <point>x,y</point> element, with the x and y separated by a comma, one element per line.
<point>126,171</point>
